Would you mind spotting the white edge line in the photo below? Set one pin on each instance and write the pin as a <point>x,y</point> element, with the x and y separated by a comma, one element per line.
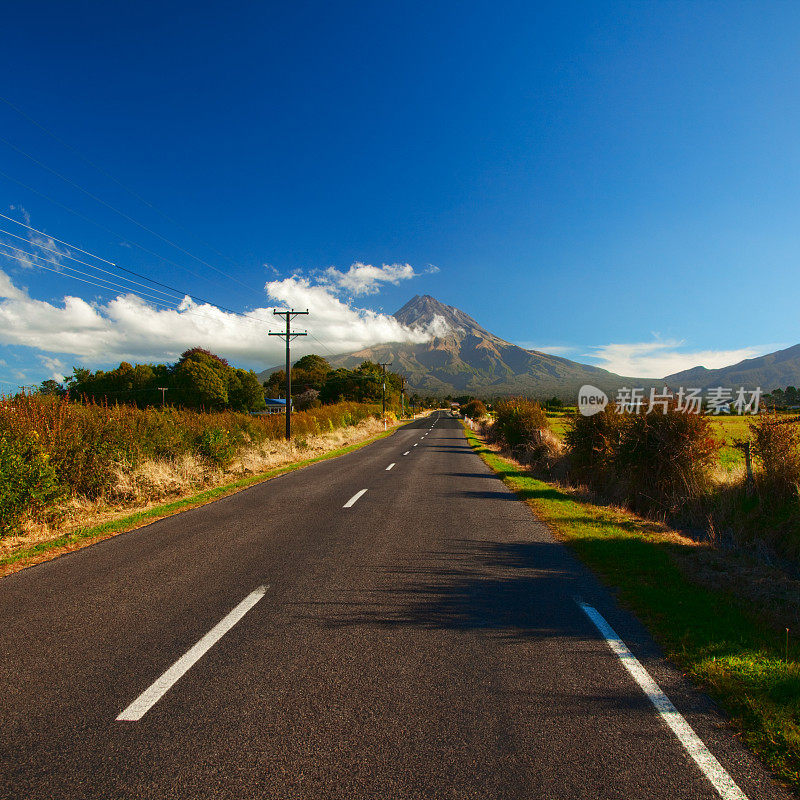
<point>354,499</point>
<point>150,696</point>
<point>711,768</point>
<point>390,466</point>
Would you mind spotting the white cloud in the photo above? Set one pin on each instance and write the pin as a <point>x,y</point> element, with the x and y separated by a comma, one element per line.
<point>553,349</point>
<point>363,279</point>
<point>341,326</point>
<point>129,328</point>
<point>55,367</point>
<point>439,327</point>
<point>658,358</point>
<point>8,290</point>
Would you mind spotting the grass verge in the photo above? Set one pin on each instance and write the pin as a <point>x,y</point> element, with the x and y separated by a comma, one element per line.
<point>83,537</point>
<point>712,635</point>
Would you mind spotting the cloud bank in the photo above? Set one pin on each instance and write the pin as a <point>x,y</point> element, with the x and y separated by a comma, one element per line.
<point>663,357</point>
<point>129,328</point>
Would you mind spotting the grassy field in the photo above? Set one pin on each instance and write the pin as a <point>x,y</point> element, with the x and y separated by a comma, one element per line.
<point>718,638</point>
<point>558,422</point>
<point>729,430</point>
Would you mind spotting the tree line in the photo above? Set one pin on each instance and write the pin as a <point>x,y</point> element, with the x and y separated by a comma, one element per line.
<point>315,382</point>
<point>202,380</point>
<point>199,379</point>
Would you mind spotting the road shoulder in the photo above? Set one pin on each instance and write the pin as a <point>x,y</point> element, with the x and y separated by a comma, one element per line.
<point>712,635</point>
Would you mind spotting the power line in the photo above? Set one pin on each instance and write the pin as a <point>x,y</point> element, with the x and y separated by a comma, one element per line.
<point>62,267</point>
<point>78,260</point>
<point>323,345</point>
<point>113,178</point>
<point>111,263</point>
<point>180,292</point>
<point>107,229</point>
<point>156,302</point>
<point>60,241</point>
<point>121,213</point>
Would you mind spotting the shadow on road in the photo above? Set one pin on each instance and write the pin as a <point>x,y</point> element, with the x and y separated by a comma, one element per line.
<point>515,589</point>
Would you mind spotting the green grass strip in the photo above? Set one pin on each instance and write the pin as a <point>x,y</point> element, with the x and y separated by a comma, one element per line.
<point>136,519</point>
<point>726,649</point>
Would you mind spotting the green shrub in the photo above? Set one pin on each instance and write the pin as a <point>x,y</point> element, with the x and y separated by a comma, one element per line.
<point>664,460</point>
<point>522,426</point>
<point>87,443</point>
<point>652,462</point>
<point>776,447</point>
<point>218,446</point>
<point>592,444</point>
<point>28,483</point>
<point>475,409</point>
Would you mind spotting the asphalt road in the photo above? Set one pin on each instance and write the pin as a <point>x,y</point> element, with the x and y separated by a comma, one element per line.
<point>424,642</point>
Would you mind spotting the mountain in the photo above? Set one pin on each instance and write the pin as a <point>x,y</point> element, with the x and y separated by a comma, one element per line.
<point>772,371</point>
<point>466,358</point>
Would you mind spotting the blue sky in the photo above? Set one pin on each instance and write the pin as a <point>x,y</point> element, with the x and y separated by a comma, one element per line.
<point>614,182</point>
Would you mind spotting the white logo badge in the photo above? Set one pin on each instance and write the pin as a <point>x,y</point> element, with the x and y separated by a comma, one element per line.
<point>591,400</point>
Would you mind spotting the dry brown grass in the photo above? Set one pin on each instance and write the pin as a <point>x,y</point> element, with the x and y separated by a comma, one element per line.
<point>152,482</point>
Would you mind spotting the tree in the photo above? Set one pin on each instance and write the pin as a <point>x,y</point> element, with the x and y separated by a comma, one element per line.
<point>52,387</point>
<point>307,399</point>
<point>275,385</point>
<point>202,385</point>
<point>361,385</point>
<point>245,393</point>
<point>310,372</point>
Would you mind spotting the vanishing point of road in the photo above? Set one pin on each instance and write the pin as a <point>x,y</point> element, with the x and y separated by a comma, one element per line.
<point>390,624</point>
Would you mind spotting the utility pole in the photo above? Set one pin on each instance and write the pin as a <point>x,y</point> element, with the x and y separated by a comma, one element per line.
<point>290,314</point>
<point>383,366</point>
<point>402,397</point>
<point>162,389</point>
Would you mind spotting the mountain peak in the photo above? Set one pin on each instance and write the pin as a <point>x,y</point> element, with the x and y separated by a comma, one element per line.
<point>422,310</point>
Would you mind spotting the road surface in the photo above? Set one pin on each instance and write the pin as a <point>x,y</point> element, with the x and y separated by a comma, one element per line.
<point>349,630</point>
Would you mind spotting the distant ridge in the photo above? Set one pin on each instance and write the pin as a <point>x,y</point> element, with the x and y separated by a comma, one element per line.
<point>772,371</point>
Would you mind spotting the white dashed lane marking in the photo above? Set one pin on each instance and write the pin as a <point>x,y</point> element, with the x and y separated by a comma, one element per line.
<point>354,499</point>
<point>150,696</point>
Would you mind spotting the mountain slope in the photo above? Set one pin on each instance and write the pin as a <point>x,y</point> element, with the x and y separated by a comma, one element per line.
<point>774,370</point>
<point>466,358</point>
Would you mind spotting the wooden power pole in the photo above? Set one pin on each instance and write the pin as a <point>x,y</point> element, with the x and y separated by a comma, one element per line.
<point>290,314</point>
<point>383,390</point>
